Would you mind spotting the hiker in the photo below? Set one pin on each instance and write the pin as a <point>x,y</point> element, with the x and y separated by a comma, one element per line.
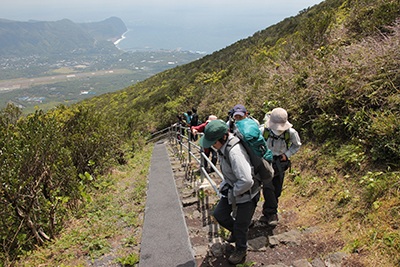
<point>180,123</point>
<point>200,129</point>
<point>188,116</point>
<point>194,121</point>
<point>238,113</point>
<point>278,133</point>
<point>239,191</point>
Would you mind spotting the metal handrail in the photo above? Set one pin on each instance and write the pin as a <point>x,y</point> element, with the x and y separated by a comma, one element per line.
<point>150,139</point>
<point>174,133</point>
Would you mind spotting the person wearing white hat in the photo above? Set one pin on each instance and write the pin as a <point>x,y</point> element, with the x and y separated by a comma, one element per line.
<point>284,142</point>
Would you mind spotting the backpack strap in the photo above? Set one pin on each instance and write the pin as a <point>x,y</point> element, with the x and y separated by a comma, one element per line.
<point>232,124</point>
<point>231,143</point>
<point>268,133</point>
<point>254,119</point>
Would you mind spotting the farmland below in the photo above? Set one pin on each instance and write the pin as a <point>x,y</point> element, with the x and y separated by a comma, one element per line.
<point>45,82</point>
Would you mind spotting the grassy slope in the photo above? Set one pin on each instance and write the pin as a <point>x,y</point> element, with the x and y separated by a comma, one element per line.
<point>325,195</point>
<point>115,215</point>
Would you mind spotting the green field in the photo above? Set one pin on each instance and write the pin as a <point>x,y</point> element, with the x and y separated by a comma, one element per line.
<point>81,78</point>
<point>49,94</point>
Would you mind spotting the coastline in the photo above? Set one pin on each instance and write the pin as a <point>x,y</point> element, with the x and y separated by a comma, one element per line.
<point>128,47</point>
<point>122,37</point>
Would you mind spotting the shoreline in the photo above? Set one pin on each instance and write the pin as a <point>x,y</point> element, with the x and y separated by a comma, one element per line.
<point>149,48</point>
<point>122,37</point>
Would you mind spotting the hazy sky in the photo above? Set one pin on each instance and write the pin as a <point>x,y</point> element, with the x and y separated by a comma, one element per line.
<point>247,12</point>
<point>236,18</point>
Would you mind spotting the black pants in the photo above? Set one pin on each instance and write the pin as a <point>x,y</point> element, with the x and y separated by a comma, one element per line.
<point>273,190</point>
<point>239,227</point>
<point>214,157</point>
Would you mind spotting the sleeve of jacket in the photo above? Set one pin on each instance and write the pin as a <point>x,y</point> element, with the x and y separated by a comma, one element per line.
<point>295,143</point>
<point>241,167</point>
<point>199,128</point>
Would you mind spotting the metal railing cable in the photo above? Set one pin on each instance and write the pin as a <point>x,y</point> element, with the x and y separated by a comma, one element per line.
<point>176,136</point>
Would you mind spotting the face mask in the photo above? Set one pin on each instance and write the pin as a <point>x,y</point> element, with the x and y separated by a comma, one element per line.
<point>277,133</point>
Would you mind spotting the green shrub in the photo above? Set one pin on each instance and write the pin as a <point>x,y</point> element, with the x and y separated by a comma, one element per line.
<point>383,137</point>
<point>48,165</point>
<point>316,29</point>
<point>379,184</point>
<point>368,17</point>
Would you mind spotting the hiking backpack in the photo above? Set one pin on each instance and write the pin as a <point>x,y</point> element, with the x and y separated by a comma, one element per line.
<point>250,137</point>
<point>286,136</point>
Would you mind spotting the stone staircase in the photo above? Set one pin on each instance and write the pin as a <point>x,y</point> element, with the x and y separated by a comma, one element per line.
<point>279,246</point>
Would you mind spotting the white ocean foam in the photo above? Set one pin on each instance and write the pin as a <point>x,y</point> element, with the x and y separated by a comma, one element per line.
<point>122,37</point>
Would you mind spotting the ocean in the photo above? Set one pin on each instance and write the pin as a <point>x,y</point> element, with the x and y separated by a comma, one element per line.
<point>203,41</point>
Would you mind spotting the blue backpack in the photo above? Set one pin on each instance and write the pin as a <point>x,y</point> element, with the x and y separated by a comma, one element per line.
<point>249,132</point>
<point>251,138</point>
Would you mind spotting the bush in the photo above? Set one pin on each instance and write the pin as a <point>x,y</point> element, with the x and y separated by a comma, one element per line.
<point>384,137</point>
<point>47,165</point>
<point>368,17</point>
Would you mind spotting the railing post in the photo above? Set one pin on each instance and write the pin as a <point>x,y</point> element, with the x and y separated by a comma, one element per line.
<point>175,134</point>
<point>181,140</point>
<point>170,134</point>
<point>189,148</point>
<point>201,164</point>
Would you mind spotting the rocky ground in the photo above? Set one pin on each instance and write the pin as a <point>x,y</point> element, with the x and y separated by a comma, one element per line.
<point>285,245</point>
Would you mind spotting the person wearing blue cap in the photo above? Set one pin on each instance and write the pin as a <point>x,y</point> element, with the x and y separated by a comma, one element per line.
<point>239,191</point>
<point>238,113</point>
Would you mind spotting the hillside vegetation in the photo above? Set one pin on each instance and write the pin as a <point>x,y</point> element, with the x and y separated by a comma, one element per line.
<point>108,29</point>
<point>334,67</point>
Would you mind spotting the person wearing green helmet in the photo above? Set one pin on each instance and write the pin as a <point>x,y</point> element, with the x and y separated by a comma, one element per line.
<point>239,191</point>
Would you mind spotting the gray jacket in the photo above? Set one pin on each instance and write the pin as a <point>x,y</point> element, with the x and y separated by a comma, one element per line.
<point>278,147</point>
<point>238,173</point>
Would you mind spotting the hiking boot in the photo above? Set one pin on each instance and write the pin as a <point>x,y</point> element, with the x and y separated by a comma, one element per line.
<point>252,223</point>
<point>210,170</point>
<point>273,220</point>
<point>230,239</point>
<point>264,219</point>
<point>270,219</point>
<point>237,256</point>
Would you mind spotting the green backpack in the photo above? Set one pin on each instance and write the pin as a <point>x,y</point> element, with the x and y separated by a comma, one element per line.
<point>251,138</point>
<point>248,131</point>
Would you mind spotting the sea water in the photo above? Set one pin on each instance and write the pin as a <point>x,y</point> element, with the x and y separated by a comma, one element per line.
<point>149,38</point>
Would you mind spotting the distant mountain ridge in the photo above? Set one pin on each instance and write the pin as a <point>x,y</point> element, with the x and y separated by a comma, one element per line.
<point>109,29</point>
<point>59,37</point>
